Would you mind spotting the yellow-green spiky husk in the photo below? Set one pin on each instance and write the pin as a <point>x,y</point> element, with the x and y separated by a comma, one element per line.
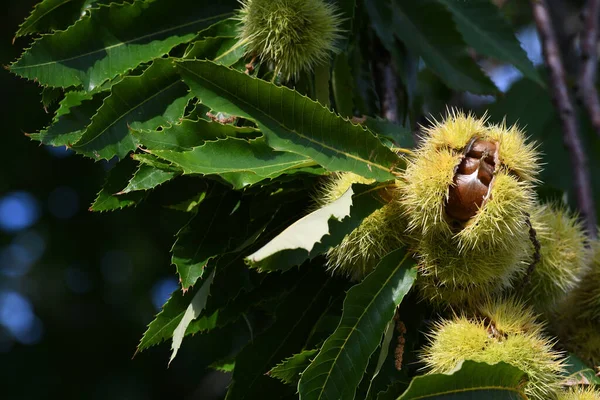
<point>378,234</point>
<point>490,251</point>
<point>584,300</point>
<point>563,258</point>
<point>292,35</point>
<point>451,277</point>
<point>578,319</point>
<point>429,174</point>
<point>579,393</point>
<point>502,330</point>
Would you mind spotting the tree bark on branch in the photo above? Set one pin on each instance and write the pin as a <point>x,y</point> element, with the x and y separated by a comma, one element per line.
<point>564,106</point>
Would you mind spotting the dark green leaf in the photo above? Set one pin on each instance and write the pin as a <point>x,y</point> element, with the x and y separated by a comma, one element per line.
<point>369,306</point>
<point>188,134</point>
<point>155,98</point>
<point>291,122</point>
<point>222,50</point>
<point>239,162</point>
<point>118,177</point>
<point>49,15</point>
<point>72,117</point>
<point>50,96</point>
<point>472,381</point>
<point>579,373</point>
<point>483,28</point>
<point>322,74</point>
<point>426,27</point>
<point>294,319</point>
<point>289,370</point>
<point>206,236</point>
<point>343,90</point>
<point>148,177</point>
<point>224,28</point>
<point>116,38</point>
<point>347,10</point>
<point>315,233</point>
<point>399,134</point>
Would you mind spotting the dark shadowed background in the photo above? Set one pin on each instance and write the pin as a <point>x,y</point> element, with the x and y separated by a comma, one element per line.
<point>77,289</point>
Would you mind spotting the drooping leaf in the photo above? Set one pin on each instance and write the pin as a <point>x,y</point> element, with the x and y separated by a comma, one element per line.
<point>426,28</point>
<point>471,380</point>
<point>347,9</point>
<point>291,122</point>
<point>289,370</point>
<point>116,181</point>
<point>322,76</point>
<point>483,28</point>
<point>294,318</point>
<point>315,233</point>
<point>341,82</point>
<point>155,98</point>
<point>369,306</point>
<point>206,236</point>
<point>187,134</point>
<point>239,162</point>
<point>114,39</point>
<point>192,312</point>
<point>228,303</point>
<point>383,354</point>
<point>72,117</point>
<point>148,177</point>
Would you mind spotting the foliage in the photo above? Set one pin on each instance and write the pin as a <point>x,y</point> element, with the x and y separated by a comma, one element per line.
<point>234,119</point>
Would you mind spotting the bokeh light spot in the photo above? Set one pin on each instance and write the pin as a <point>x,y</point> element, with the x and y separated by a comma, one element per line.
<point>161,291</point>
<point>18,211</point>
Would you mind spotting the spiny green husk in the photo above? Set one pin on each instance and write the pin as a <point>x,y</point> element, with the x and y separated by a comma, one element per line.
<point>579,393</point>
<point>503,330</point>
<point>378,234</point>
<point>292,35</point>
<point>578,319</point>
<point>429,175</point>
<point>563,257</point>
<point>487,253</point>
<point>584,300</point>
<point>451,277</point>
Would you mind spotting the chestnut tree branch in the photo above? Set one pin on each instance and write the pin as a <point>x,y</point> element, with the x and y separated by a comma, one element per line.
<point>587,77</point>
<point>564,106</point>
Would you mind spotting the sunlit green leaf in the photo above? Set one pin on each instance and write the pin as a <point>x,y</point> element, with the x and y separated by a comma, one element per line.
<point>369,306</point>
<point>118,177</point>
<point>155,98</point>
<point>239,162</point>
<point>471,380</point>
<point>116,38</point>
<point>315,233</point>
<point>291,122</point>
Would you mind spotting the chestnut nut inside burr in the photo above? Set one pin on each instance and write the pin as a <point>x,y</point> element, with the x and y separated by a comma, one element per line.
<point>472,180</point>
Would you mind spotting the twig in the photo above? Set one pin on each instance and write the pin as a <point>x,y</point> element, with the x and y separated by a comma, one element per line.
<point>537,247</point>
<point>587,75</point>
<point>579,164</point>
